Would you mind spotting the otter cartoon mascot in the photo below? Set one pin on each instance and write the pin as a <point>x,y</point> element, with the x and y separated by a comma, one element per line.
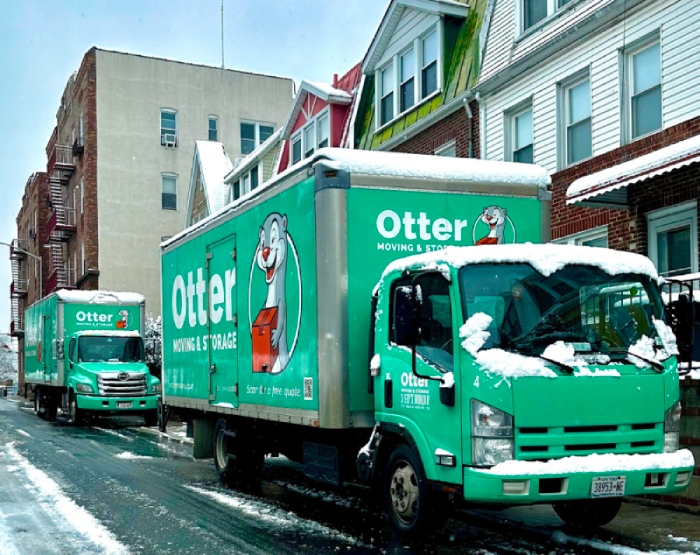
<point>495,218</point>
<point>270,352</point>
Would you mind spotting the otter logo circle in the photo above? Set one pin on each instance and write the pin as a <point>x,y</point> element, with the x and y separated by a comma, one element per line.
<point>279,276</point>
<point>496,218</point>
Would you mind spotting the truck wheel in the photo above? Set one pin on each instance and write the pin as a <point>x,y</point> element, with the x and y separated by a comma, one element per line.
<point>236,461</point>
<point>406,492</point>
<point>151,418</point>
<point>588,513</point>
<point>39,403</point>
<point>75,415</point>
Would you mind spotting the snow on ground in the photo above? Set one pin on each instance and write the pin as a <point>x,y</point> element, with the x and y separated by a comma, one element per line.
<point>58,507</point>
<point>264,512</point>
<point>22,432</point>
<point>127,455</point>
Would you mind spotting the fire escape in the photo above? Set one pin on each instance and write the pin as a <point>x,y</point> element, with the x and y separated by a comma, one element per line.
<point>18,287</point>
<point>62,224</point>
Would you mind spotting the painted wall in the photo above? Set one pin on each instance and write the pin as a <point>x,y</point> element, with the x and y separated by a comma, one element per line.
<point>679,24</point>
<point>131,90</point>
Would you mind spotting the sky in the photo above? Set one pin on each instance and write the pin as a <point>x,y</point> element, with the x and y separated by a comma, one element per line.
<point>42,42</point>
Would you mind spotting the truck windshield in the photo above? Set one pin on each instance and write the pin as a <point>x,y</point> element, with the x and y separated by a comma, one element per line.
<point>110,349</point>
<point>581,305</point>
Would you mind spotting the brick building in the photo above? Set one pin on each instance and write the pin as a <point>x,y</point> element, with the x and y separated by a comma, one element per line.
<point>119,162</point>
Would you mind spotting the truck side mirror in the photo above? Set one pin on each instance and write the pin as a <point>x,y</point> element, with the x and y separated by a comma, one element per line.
<point>406,310</point>
<point>59,349</point>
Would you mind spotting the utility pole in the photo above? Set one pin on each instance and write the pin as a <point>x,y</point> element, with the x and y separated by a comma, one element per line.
<point>222,34</point>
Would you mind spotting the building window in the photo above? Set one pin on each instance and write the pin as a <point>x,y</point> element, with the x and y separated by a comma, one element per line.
<point>236,190</point>
<point>408,77</point>
<point>576,100</point>
<point>673,239</point>
<point>519,135</point>
<point>315,134</point>
<point>168,192</point>
<point>168,128</point>
<point>597,237</point>
<point>531,12</point>
<point>644,78</point>
<point>296,148</point>
<point>429,71</point>
<point>253,135</point>
<point>82,195</point>
<point>448,149</point>
<point>82,259</point>
<point>387,100</point>
<point>213,128</point>
<point>408,80</point>
<point>323,125</point>
<point>254,178</point>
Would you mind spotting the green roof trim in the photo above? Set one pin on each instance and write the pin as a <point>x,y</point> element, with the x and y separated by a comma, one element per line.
<point>461,65</point>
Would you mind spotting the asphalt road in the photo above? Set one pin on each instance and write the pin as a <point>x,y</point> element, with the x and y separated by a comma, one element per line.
<point>116,487</point>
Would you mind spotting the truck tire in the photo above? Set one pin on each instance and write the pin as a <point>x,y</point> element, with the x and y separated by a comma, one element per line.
<point>588,513</point>
<point>39,408</point>
<point>51,407</point>
<point>406,494</point>
<point>75,415</point>
<point>151,418</point>
<point>236,461</point>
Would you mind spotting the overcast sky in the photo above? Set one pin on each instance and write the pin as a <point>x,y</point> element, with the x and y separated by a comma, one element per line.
<point>42,42</point>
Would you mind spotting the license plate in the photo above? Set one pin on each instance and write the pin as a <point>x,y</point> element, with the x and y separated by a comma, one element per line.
<point>123,404</point>
<point>608,486</point>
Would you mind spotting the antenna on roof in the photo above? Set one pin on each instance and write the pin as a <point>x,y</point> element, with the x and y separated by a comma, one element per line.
<point>222,34</point>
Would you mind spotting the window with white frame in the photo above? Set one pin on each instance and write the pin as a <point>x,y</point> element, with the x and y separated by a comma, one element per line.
<point>168,191</point>
<point>247,182</point>
<point>82,195</point>
<point>449,150</point>
<point>213,128</point>
<point>519,135</point>
<point>253,135</point>
<point>575,109</point>
<point>409,76</point>
<point>673,239</point>
<point>168,127</point>
<point>597,237</point>
<point>643,84</point>
<point>531,12</point>
<point>315,134</point>
<point>82,259</point>
<point>236,190</point>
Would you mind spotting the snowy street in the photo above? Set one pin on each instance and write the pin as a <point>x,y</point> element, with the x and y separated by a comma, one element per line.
<point>116,487</point>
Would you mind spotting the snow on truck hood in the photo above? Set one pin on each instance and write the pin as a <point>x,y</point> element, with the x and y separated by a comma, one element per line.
<point>100,297</point>
<point>546,258</point>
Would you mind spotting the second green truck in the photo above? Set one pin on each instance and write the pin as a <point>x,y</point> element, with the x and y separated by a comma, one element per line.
<point>84,353</point>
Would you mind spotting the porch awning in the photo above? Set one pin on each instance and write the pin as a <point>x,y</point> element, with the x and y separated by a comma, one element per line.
<point>608,188</point>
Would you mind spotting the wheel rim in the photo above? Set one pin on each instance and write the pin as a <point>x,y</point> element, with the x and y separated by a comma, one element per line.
<point>72,409</point>
<point>404,492</point>
<point>36,402</point>
<point>221,454</point>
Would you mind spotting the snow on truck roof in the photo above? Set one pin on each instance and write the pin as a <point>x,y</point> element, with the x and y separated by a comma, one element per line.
<point>546,258</point>
<point>100,297</point>
<point>422,166</point>
<point>394,164</point>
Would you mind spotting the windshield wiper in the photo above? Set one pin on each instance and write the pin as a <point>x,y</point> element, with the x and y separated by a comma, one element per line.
<point>562,365</point>
<point>655,364</point>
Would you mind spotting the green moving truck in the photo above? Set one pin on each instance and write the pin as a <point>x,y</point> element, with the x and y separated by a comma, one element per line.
<point>495,370</point>
<point>84,354</point>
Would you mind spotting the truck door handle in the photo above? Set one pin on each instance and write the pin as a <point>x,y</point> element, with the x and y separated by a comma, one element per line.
<point>212,368</point>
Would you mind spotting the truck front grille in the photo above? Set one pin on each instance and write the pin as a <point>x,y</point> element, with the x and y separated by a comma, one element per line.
<point>121,384</point>
<point>552,443</point>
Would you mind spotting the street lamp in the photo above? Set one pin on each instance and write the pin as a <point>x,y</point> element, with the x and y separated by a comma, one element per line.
<point>22,251</point>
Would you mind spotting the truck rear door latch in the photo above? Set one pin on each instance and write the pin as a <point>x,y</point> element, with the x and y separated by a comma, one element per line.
<point>212,368</point>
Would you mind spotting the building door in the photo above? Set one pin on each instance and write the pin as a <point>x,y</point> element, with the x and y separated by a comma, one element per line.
<point>222,322</point>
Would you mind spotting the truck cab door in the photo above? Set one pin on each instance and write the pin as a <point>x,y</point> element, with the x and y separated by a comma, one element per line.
<point>222,322</point>
<point>411,400</point>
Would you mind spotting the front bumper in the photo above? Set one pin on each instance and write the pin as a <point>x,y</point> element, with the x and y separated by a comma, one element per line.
<point>109,404</point>
<point>527,482</point>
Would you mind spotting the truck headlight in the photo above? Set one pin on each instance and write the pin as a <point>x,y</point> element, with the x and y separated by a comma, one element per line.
<point>492,435</point>
<point>84,388</point>
<point>672,428</point>
<point>156,388</point>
